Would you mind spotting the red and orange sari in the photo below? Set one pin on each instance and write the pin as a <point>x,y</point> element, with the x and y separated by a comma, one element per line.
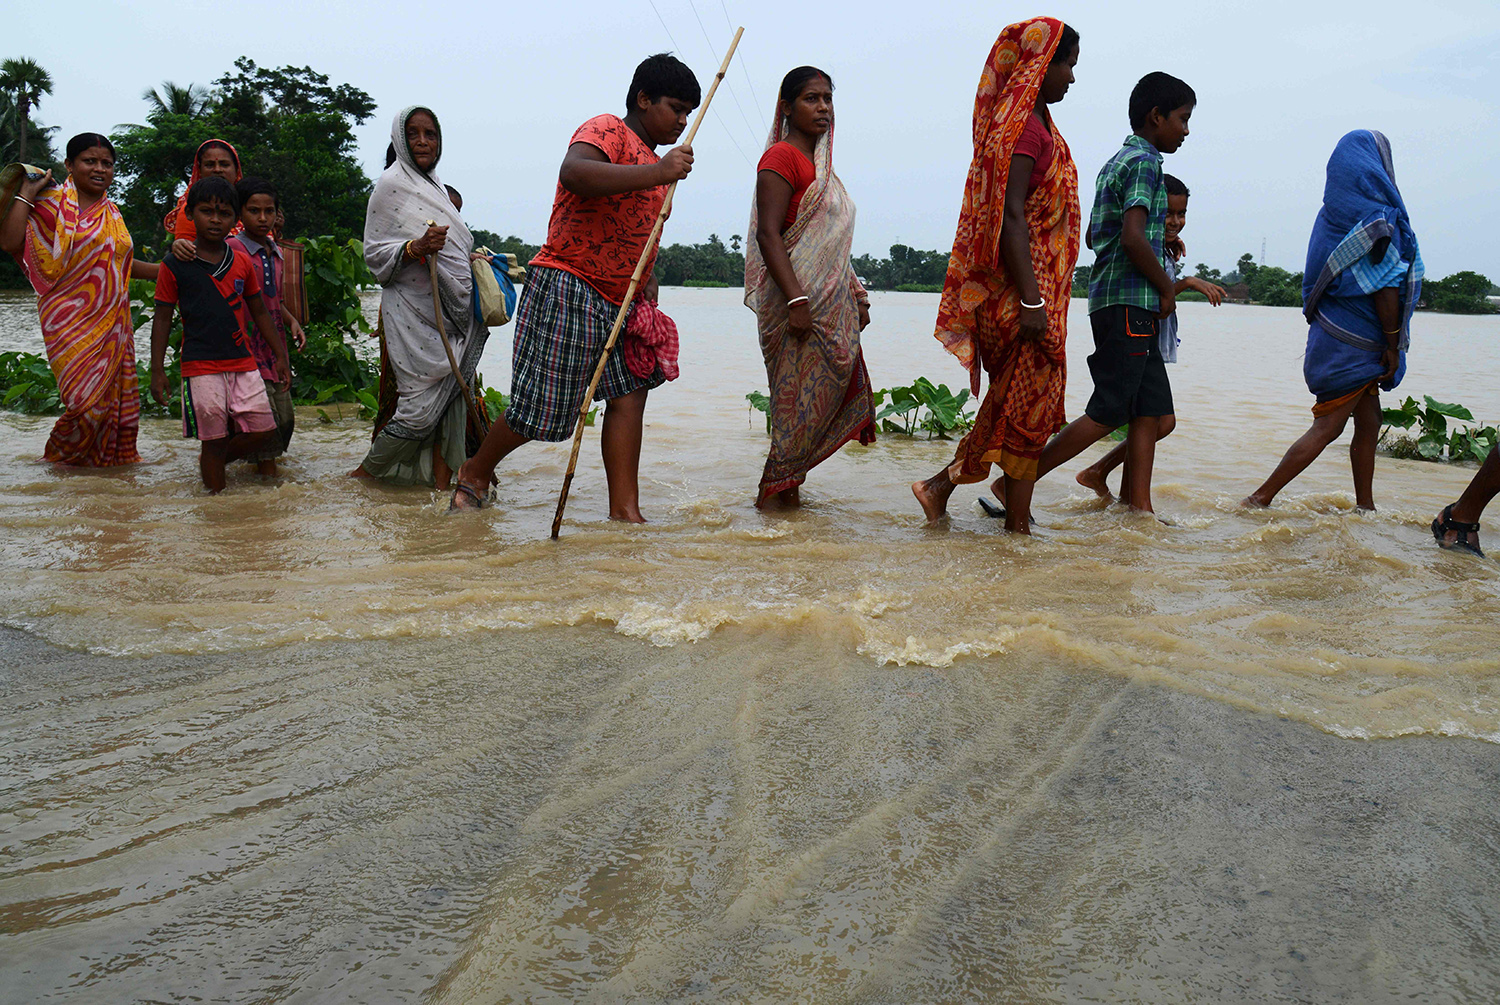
<point>78,261</point>
<point>979,317</point>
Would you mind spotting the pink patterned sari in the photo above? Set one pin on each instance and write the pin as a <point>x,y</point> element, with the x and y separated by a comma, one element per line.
<point>820,389</point>
<point>78,261</point>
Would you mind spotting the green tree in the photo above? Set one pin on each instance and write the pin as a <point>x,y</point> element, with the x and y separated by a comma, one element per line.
<point>291,127</point>
<point>511,245</point>
<point>1206,274</point>
<point>1460,293</point>
<point>26,82</point>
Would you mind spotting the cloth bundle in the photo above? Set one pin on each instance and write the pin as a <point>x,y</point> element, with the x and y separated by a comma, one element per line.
<point>650,340</point>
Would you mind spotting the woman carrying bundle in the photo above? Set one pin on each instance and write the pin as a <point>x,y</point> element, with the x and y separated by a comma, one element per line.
<point>809,305</point>
<point>72,243</point>
<point>423,443</point>
<point>1004,310</point>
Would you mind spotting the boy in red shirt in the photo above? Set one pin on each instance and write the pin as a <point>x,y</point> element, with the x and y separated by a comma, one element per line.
<point>609,191</point>
<point>224,401</point>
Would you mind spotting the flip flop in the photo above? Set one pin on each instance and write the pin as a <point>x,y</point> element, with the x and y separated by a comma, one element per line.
<point>468,490</point>
<point>990,509</point>
<point>1443,524</point>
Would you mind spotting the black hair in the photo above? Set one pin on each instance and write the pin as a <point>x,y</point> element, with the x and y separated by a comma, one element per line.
<point>1066,44</point>
<point>390,154</point>
<point>454,194</point>
<point>793,82</point>
<point>250,185</point>
<point>1161,91</point>
<point>663,75</point>
<point>1174,185</point>
<point>213,189</point>
<point>87,141</point>
<point>210,144</point>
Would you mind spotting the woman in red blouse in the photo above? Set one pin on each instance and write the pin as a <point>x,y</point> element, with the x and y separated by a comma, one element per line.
<point>809,306</point>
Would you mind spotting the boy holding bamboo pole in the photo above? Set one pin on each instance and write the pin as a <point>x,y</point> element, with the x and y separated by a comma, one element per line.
<point>610,190</point>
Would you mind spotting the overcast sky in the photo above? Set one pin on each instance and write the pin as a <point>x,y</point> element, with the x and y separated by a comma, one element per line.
<point>1277,84</point>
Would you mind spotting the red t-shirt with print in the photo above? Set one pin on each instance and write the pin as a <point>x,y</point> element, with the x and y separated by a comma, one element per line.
<point>215,318</point>
<point>793,166</point>
<point>599,240</point>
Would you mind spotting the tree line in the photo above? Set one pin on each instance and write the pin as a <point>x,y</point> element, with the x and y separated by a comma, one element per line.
<point>296,129</point>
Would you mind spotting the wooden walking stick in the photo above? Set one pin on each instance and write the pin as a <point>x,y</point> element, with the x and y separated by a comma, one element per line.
<point>480,420</point>
<point>635,280</point>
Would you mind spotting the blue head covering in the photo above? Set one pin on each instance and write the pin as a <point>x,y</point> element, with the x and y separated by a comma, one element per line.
<point>1361,206</point>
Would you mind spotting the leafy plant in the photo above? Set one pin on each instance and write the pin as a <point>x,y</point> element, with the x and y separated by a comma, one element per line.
<point>1432,438</point>
<point>336,272</point>
<point>907,410</point>
<point>27,384</point>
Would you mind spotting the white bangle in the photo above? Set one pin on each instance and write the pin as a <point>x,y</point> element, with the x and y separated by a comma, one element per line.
<point>795,301</point>
<point>1033,307</point>
<point>22,198</point>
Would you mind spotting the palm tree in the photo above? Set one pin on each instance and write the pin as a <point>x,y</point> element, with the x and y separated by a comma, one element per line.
<point>175,99</point>
<point>25,79</point>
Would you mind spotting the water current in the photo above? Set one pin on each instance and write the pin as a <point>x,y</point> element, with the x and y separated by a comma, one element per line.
<point>315,740</point>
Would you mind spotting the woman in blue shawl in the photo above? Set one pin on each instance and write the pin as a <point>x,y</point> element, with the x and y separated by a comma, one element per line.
<point>1361,284</point>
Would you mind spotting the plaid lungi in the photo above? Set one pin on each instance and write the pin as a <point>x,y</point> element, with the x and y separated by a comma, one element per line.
<point>562,324</point>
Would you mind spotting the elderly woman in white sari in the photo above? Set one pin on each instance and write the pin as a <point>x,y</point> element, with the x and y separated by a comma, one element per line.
<point>411,218</point>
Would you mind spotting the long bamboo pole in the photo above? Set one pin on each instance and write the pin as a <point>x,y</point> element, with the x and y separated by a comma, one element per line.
<point>480,421</point>
<point>635,279</point>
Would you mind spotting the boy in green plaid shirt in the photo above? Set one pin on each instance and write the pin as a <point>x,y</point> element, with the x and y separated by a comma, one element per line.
<point>1129,291</point>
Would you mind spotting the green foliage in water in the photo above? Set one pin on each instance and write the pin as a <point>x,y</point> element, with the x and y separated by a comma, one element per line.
<point>1460,293</point>
<point>1429,437</point>
<point>711,284</point>
<point>27,384</point>
<point>920,288</point>
<point>920,406</point>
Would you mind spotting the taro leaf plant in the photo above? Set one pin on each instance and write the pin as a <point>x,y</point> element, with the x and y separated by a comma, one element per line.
<point>920,405</point>
<point>1432,438</point>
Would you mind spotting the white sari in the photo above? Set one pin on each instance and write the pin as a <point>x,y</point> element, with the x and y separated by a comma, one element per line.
<point>430,406</point>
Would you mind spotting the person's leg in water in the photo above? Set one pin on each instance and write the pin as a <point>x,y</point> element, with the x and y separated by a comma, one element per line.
<point>217,454</point>
<point>933,494</point>
<point>785,499</point>
<point>477,473</point>
<point>1093,477</point>
<point>1069,442</point>
<point>624,418</point>
<point>1140,455</point>
<point>1481,489</point>
<point>1325,429</point>
<point>1362,450</point>
<point>442,475</point>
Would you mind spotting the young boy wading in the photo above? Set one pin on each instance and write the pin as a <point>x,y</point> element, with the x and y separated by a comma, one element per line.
<point>1129,290</point>
<point>610,190</point>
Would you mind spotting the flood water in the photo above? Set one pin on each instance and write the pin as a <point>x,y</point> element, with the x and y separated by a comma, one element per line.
<point>314,740</point>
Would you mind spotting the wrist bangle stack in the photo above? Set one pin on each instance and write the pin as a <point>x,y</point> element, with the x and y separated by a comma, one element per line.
<point>797,300</point>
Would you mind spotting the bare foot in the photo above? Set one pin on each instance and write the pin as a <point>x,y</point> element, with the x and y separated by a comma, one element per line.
<point>360,472</point>
<point>627,516</point>
<point>1251,502</point>
<point>1091,479</point>
<point>933,495</point>
<point>266,469</point>
<point>997,489</point>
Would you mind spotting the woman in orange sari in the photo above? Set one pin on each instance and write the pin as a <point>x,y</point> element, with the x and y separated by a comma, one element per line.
<point>1005,301</point>
<point>72,243</point>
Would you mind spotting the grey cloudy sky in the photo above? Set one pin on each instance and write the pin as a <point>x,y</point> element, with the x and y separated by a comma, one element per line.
<point>1277,84</point>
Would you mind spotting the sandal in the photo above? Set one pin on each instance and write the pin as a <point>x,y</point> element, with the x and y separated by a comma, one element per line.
<point>1445,523</point>
<point>990,509</point>
<point>468,490</point>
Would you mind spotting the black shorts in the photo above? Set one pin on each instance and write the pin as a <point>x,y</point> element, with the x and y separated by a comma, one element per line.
<point>1130,377</point>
